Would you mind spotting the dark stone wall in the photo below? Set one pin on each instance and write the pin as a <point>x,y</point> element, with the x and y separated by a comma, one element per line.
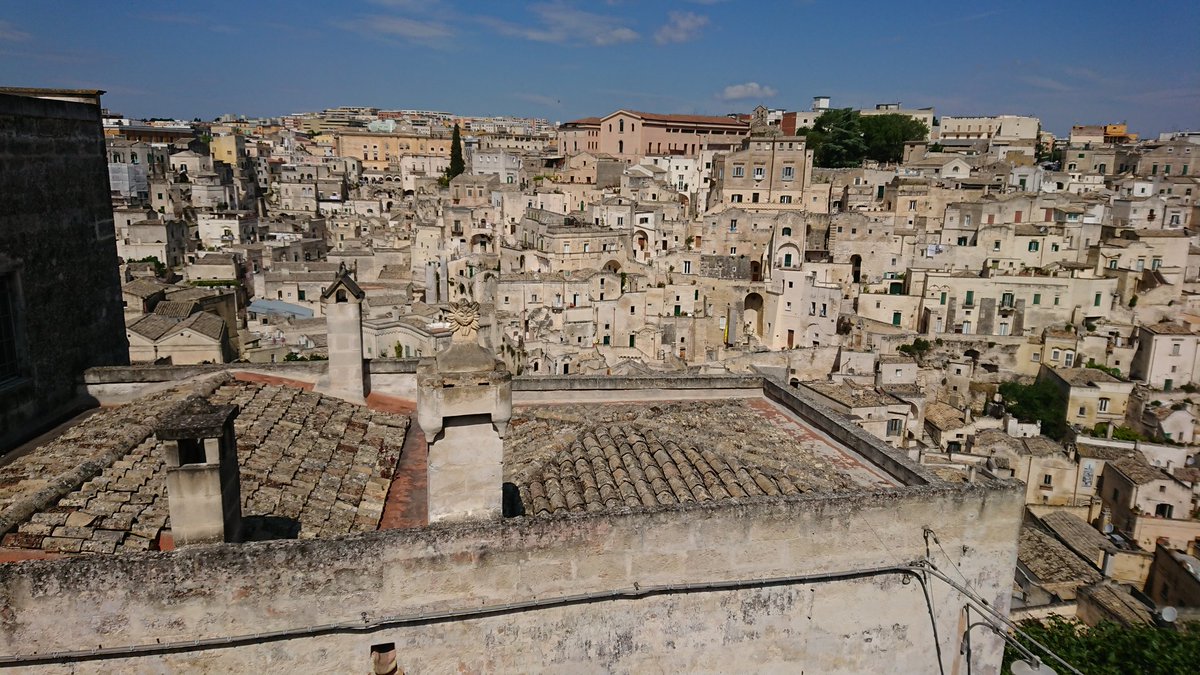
<point>57,243</point>
<point>725,266</point>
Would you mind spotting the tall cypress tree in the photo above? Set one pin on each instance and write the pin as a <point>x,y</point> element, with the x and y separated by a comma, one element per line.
<point>457,165</point>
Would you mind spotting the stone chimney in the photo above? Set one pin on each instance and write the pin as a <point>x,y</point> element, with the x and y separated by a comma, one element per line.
<point>464,402</point>
<point>342,304</point>
<point>203,482</point>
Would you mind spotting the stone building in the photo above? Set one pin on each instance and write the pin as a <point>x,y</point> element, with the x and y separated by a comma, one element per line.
<point>773,170</point>
<point>60,297</point>
<point>607,488</point>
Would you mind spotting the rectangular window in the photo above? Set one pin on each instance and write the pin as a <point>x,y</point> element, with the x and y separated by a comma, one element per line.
<point>894,427</point>
<point>1097,300</point>
<point>733,225</point>
<point>739,171</point>
<point>1103,405</point>
<point>943,298</point>
<point>759,173</point>
<point>1033,246</point>
<point>970,301</point>
<point>785,199</point>
<point>789,172</point>
<point>996,245</point>
<point>687,266</point>
<point>1048,480</point>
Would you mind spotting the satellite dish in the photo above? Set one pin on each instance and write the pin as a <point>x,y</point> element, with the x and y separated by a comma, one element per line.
<point>1169,614</point>
<point>1108,528</point>
<point>1023,667</point>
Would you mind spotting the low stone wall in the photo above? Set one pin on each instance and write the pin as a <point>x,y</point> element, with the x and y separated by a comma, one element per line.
<point>530,390</point>
<point>844,430</point>
<point>859,619</point>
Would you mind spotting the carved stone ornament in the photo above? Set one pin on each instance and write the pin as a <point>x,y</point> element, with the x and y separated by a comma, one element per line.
<point>464,320</point>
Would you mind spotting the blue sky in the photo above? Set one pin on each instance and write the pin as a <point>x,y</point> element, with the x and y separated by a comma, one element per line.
<point>1067,62</point>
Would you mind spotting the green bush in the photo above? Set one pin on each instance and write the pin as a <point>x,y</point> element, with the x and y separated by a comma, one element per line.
<point>1040,401</point>
<point>919,347</point>
<point>1109,648</point>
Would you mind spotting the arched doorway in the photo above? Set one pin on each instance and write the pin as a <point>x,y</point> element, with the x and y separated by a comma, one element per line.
<point>855,267</point>
<point>612,266</point>
<point>641,239</point>
<point>480,243</point>
<point>752,313</point>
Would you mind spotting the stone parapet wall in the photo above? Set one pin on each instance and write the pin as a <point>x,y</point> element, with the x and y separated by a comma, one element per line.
<point>859,620</point>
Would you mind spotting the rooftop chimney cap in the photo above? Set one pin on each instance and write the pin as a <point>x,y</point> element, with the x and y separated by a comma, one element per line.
<point>195,417</point>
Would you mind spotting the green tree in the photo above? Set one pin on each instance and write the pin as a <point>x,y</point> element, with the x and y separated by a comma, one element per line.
<point>919,347</point>
<point>1038,401</point>
<point>1111,649</point>
<point>457,165</point>
<point>837,139</point>
<point>885,135</point>
<point>160,270</point>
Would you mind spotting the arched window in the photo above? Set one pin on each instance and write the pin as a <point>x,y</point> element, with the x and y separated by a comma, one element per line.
<point>787,232</point>
<point>621,126</point>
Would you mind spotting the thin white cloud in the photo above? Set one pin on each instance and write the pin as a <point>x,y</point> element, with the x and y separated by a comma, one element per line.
<point>748,90</point>
<point>680,27</point>
<point>1046,84</point>
<point>560,24</point>
<point>544,100</point>
<point>10,33</point>
<point>397,27</point>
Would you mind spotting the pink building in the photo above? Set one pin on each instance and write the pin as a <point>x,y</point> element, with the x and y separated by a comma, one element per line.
<point>630,135</point>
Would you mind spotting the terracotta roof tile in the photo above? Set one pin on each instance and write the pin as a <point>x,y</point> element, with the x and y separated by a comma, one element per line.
<point>611,466</point>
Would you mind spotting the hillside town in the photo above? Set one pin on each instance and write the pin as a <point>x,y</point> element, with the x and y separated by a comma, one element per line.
<point>362,328</point>
<point>995,300</point>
